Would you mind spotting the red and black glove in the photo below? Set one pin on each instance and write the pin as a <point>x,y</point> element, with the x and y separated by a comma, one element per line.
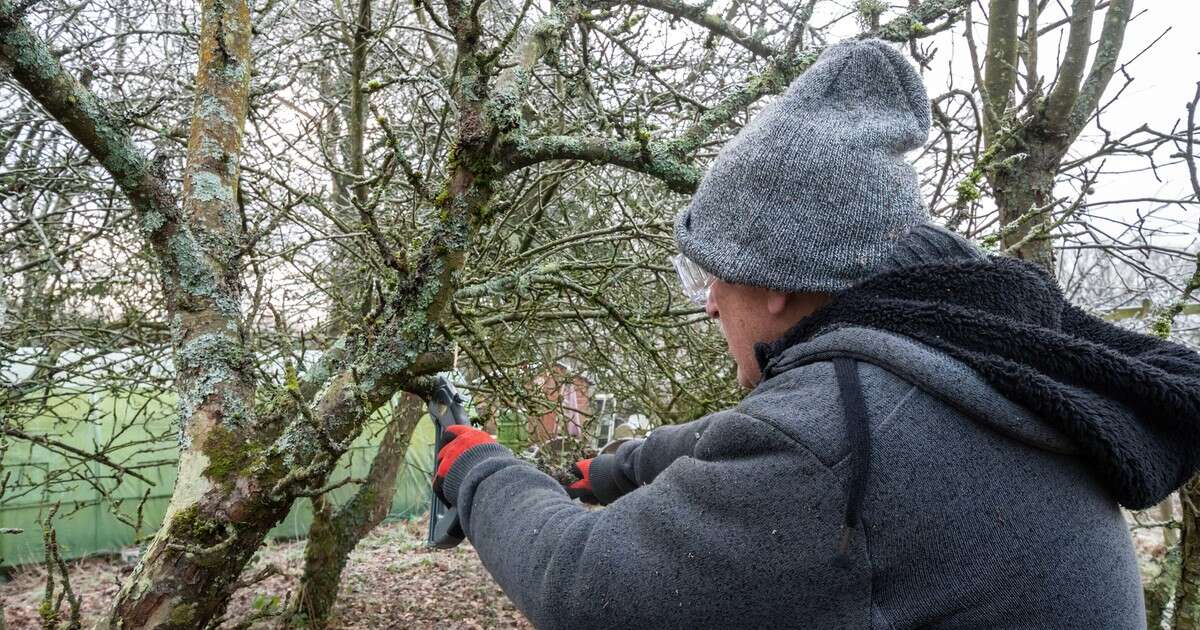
<point>464,439</point>
<point>582,489</point>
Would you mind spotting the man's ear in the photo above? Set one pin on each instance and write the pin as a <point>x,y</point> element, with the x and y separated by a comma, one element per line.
<point>777,303</point>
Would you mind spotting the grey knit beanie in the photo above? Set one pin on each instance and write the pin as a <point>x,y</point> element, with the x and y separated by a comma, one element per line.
<point>929,243</point>
<point>814,191</point>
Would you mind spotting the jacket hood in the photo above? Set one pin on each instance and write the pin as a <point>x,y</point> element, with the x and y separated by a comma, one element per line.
<point>1129,404</point>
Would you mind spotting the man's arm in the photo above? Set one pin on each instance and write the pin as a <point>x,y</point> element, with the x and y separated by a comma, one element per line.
<point>637,462</point>
<point>743,533</point>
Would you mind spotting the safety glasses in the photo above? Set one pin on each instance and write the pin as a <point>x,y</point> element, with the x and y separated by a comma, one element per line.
<point>695,280</point>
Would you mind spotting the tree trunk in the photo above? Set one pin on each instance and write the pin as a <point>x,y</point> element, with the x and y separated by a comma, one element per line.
<point>184,578</point>
<point>1024,194</point>
<point>1159,588</point>
<point>1187,593</point>
<point>333,535</point>
<point>1166,514</point>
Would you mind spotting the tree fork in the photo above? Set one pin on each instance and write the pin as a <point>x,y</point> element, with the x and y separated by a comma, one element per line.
<point>1028,146</point>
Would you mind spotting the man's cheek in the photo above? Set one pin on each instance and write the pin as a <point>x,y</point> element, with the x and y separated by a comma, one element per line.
<point>725,335</point>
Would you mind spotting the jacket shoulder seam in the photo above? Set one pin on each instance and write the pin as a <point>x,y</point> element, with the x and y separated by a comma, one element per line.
<point>791,439</point>
<point>828,358</point>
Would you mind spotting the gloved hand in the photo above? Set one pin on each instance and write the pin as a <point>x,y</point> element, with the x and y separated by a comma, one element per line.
<point>582,489</point>
<point>464,439</point>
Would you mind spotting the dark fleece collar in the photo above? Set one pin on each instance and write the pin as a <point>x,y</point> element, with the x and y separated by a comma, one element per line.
<point>1129,402</point>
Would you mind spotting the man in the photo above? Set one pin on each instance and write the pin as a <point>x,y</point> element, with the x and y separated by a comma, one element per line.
<point>934,437</point>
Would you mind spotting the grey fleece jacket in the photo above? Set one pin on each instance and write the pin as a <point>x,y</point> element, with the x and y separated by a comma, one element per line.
<point>976,515</point>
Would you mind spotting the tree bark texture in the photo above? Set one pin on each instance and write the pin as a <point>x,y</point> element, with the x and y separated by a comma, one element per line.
<point>1187,592</point>
<point>1024,193</point>
<point>173,586</point>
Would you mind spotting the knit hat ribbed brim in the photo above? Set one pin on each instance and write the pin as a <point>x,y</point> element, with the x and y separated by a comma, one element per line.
<point>929,243</point>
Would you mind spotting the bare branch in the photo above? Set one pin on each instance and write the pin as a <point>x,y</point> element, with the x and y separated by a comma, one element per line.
<point>1000,64</point>
<point>1070,72</point>
<point>85,117</point>
<point>652,158</point>
<point>698,16</point>
<point>1103,64</point>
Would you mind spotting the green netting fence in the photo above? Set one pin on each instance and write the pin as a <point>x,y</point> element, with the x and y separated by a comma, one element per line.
<point>88,522</point>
